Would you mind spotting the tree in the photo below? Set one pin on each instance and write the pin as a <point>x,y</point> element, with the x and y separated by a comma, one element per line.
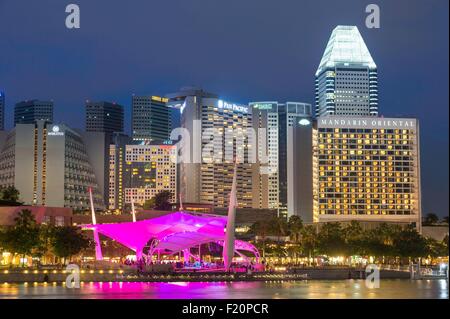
<point>330,240</point>
<point>10,194</point>
<point>309,241</point>
<point>354,238</point>
<point>162,200</point>
<point>149,204</point>
<point>295,226</point>
<point>44,246</point>
<point>261,229</point>
<point>378,242</point>
<point>445,220</point>
<point>278,227</point>
<point>431,219</point>
<point>68,241</point>
<point>23,237</point>
<point>436,248</point>
<point>409,243</point>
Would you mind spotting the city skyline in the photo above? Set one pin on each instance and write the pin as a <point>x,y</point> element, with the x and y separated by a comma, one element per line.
<point>388,45</point>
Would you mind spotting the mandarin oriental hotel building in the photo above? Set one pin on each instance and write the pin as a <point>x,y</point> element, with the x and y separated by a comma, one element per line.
<point>363,168</point>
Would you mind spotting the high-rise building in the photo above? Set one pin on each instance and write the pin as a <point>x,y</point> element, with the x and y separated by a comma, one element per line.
<point>271,121</point>
<point>139,172</point>
<point>2,111</point>
<point>53,165</point>
<point>116,165</point>
<point>28,112</point>
<point>218,136</point>
<point>104,117</point>
<point>346,79</point>
<point>151,118</point>
<point>363,168</point>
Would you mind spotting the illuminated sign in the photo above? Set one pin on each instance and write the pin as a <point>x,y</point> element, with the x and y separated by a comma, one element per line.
<point>304,122</point>
<point>335,122</point>
<point>55,131</point>
<point>160,99</point>
<point>263,106</point>
<point>231,106</point>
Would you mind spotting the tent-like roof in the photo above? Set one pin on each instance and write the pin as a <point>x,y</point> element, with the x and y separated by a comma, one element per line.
<point>345,45</point>
<point>174,232</point>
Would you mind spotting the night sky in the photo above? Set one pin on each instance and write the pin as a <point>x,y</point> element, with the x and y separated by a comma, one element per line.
<point>244,50</point>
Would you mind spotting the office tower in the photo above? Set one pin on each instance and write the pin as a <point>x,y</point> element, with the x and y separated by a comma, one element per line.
<point>53,165</point>
<point>271,121</point>
<point>346,79</point>
<point>364,168</point>
<point>116,166</point>
<point>150,119</point>
<point>2,111</point>
<point>28,112</point>
<point>149,170</point>
<point>104,117</point>
<point>218,134</point>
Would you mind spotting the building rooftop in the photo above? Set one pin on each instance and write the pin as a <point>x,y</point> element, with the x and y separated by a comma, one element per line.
<point>345,46</point>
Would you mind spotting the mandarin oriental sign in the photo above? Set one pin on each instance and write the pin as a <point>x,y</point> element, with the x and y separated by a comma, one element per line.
<point>365,122</point>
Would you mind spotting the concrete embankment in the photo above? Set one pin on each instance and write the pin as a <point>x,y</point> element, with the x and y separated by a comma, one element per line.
<point>114,275</point>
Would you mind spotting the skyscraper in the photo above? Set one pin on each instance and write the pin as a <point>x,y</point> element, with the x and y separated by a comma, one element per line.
<point>211,122</point>
<point>28,112</point>
<point>53,165</point>
<point>363,168</point>
<point>2,111</point>
<point>104,117</point>
<point>270,175</point>
<point>150,118</point>
<point>346,79</point>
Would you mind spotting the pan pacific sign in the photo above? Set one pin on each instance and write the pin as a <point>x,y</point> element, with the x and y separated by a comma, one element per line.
<point>366,122</point>
<point>232,107</point>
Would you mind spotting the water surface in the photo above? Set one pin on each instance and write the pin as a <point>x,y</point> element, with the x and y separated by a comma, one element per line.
<point>316,289</point>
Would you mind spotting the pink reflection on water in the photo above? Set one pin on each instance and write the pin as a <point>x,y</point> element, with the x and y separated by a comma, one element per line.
<point>162,290</point>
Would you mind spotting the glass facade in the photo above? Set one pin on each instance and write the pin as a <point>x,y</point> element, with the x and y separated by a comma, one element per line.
<point>151,118</point>
<point>28,112</point>
<point>346,79</point>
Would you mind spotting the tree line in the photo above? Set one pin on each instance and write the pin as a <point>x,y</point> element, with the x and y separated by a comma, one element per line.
<point>28,238</point>
<point>387,243</point>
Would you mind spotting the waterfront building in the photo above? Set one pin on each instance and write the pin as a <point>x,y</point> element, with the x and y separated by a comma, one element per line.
<point>2,111</point>
<point>363,168</point>
<point>346,79</point>
<point>151,118</point>
<point>56,216</point>
<point>139,172</point>
<point>271,120</point>
<point>28,112</point>
<point>54,165</point>
<point>104,117</point>
<point>210,121</point>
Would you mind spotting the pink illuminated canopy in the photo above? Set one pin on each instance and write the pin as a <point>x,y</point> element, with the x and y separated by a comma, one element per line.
<point>172,233</point>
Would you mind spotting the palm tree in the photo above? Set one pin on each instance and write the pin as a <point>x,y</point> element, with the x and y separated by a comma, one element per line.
<point>295,226</point>
<point>309,241</point>
<point>261,229</point>
<point>431,219</point>
<point>353,236</point>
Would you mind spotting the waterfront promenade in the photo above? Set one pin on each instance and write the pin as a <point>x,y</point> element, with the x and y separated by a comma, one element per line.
<point>40,276</point>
